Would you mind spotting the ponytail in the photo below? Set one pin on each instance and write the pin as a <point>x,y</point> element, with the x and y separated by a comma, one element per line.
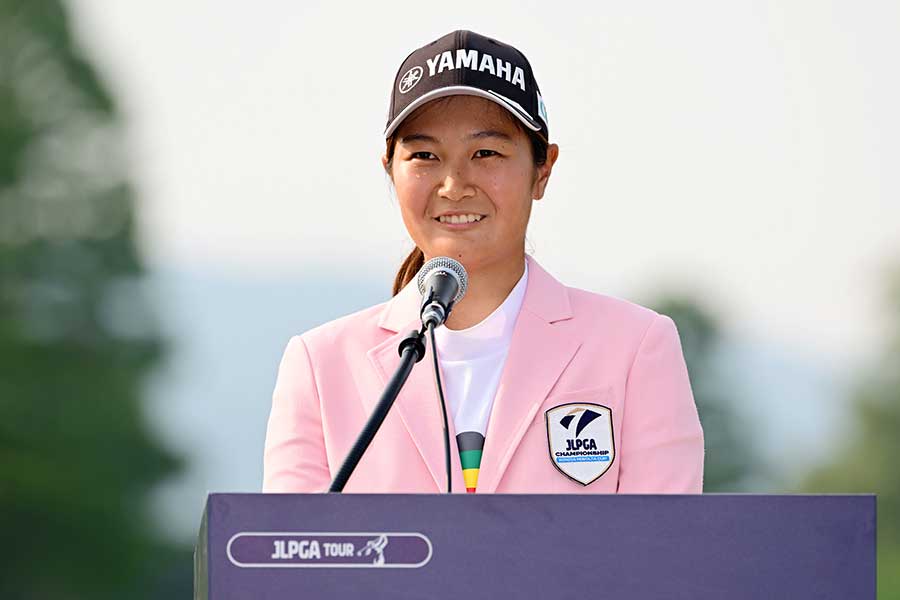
<point>415,260</point>
<point>408,269</point>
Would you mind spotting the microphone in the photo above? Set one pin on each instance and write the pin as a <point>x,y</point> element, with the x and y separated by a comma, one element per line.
<point>442,282</point>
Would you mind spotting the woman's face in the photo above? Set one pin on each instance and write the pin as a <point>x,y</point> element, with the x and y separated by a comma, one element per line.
<point>465,179</point>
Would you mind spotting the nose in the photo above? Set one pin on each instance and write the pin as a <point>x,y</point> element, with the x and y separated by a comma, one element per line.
<point>456,186</point>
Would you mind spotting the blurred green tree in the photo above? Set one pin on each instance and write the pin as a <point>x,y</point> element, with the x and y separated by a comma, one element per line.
<point>730,457</point>
<point>865,462</point>
<point>76,334</point>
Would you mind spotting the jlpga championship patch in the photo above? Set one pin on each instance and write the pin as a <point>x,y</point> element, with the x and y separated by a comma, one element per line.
<point>580,440</point>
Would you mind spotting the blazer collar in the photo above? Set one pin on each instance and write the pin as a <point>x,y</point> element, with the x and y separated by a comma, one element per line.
<point>545,297</point>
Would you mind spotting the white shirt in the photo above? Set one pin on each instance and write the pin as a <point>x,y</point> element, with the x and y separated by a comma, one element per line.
<point>472,361</point>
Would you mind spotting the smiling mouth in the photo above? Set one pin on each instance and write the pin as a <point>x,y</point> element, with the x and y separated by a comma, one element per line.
<point>459,219</point>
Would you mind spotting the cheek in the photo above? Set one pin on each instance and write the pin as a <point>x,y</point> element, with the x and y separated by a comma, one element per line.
<point>510,191</point>
<point>413,190</point>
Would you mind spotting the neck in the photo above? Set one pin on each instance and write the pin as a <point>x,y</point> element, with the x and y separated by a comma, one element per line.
<point>488,288</point>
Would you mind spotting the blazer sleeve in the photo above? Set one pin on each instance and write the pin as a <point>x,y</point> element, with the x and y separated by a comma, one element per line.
<point>662,440</point>
<point>294,458</point>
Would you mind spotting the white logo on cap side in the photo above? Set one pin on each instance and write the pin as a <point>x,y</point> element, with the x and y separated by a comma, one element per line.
<point>542,109</point>
<point>410,79</point>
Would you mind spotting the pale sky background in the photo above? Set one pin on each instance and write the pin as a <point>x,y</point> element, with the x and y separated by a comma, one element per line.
<point>745,150</point>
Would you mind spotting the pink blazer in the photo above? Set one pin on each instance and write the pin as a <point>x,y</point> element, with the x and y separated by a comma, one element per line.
<point>569,346</point>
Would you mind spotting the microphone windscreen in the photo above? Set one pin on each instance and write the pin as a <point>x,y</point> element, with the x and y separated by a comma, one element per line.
<point>444,263</point>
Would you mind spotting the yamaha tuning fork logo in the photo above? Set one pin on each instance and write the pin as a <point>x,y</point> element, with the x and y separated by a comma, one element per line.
<point>410,79</point>
<point>580,440</point>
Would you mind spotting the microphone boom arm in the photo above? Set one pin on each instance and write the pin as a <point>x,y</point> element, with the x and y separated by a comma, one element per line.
<point>412,350</point>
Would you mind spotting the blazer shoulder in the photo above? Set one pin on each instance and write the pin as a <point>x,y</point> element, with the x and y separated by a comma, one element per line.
<point>603,321</point>
<point>357,327</point>
<point>610,310</point>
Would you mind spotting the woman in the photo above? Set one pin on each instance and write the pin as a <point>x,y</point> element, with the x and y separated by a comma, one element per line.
<point>549,389</point>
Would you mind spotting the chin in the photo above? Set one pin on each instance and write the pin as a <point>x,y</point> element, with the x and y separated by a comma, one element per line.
<point>451,249</point>
<point>472,255</point>
<point>470,258</point>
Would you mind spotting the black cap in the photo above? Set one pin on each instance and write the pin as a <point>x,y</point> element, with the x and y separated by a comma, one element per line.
<point>466,63</point>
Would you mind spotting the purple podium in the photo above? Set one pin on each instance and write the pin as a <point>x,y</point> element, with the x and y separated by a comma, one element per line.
<point>704,547</point>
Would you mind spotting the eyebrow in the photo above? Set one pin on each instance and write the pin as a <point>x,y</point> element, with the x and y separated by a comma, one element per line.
<point>417,137</point>
<point>488,133</point>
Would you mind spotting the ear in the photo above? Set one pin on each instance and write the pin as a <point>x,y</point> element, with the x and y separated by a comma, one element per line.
<point>543,174</point>
<point>384,163</point>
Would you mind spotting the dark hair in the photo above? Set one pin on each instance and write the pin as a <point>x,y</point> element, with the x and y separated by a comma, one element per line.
<point>414,261</point>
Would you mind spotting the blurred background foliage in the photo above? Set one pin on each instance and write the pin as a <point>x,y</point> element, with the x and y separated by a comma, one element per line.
<point>731,463</point>
<point>863,459</point>
<point>78,338</point>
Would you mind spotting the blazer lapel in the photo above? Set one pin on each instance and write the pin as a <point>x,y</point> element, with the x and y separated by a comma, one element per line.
<point>538,354</point>
<point>417,404</point>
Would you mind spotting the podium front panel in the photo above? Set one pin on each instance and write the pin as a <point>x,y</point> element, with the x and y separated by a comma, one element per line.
<point>293,546</point>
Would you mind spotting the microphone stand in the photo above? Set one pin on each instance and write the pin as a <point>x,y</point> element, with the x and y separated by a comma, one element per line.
<point>412,350</point>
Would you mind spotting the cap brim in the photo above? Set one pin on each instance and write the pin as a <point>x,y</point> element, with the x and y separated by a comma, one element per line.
<point>464,90</point>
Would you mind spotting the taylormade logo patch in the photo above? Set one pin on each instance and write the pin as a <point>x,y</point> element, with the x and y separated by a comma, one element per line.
<point>477,62</point>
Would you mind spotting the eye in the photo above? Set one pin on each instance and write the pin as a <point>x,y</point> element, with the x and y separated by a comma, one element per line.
<point>422,155</point>
<point>485,153</point>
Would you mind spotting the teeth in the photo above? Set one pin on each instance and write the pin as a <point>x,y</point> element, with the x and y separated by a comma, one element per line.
<point>459,218</point>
